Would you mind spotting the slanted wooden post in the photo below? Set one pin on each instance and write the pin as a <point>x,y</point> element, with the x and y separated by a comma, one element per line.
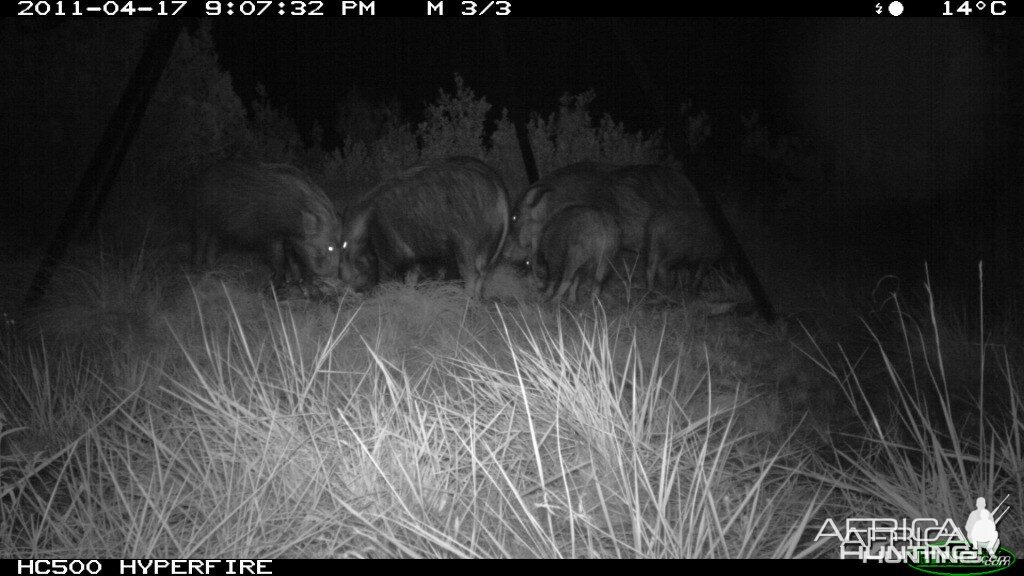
<point>516,109</point>
<point>660,103</point>
<point>98,179</point>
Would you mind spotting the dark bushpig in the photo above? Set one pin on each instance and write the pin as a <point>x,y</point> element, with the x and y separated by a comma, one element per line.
<point>642,190</point>
<point>681,239</point>
<point>274,208</point>
<point>580,184</point>
<point>574,252</point>
<point>449,214</point>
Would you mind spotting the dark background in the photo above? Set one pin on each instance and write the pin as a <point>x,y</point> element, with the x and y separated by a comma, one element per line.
<point>914,123</point>
<point>913,126</point>
<point>933,92</point>
<point>730,65</point>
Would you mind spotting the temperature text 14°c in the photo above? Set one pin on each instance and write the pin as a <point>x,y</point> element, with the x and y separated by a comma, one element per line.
<point>967,7</point>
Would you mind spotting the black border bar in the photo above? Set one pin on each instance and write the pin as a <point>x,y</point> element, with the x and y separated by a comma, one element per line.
<point>961,9</point>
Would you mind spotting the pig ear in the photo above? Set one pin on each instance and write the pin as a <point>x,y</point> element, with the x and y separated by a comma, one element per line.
<point>358,223</point>
<point>310,224</point>
<point>531,198</point>
<point>540,206</point>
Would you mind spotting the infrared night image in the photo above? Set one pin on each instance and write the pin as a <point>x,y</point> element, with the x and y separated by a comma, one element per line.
<point>416,287</point>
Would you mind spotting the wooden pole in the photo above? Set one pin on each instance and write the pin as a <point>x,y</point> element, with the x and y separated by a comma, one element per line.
<point>660,103</point>
<point>98,179</point>
<point>517,112</point>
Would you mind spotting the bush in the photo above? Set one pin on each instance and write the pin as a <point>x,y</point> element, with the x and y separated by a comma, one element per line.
<point>457,124</point>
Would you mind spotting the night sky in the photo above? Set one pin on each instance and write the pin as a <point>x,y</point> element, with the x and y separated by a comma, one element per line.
<point>725,64</point>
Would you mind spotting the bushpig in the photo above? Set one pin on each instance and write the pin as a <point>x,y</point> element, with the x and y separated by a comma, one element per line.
<point>443,214</point>
<point>681,239</point>
<point>273,208</point>
<point>641,191</point>
<point>574,252</point>
<point>580,184</point>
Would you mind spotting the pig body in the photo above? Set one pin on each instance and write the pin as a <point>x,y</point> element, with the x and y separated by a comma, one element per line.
<point>449,214</point>
<point>272,208</point>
